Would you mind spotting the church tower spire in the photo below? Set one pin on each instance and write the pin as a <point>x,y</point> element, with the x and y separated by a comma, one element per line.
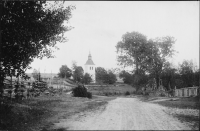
<point>89,56</point>
<point>90,67</point>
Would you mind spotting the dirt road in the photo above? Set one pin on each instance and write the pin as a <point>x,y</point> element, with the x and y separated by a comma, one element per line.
<point>124,114</point>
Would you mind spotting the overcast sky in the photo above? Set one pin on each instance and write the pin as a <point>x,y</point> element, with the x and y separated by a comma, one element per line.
<point>99,25</point>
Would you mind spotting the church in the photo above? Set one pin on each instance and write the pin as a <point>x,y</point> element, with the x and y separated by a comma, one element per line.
<point>90,68</point>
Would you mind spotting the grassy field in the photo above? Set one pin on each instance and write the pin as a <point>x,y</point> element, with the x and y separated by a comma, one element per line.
<point>40,113</point>
<point>185,109</point>
<point>110,90</point>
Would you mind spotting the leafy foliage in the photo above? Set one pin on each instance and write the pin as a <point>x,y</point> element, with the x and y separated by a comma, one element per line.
<point>78,74</point>
<point>146,56</point>
<point>86,79</point>
<point>132,49</point>
<point>100,74</point>
<point>81,91</point>
<point>65,72</point>
<point>126,76</point>
<point>103,76</point>
<point>160,50</point>
<point>111,77</point>
<point>168,76</point>
<point>188,74</point>
<point>127,93</point>
<point>29,30</point>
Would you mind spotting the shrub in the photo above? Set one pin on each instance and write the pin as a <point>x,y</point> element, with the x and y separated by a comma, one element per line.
<point>106,94</point>
<point>134,92</point>
<point>162,94</point>
<point>127,93</point>
<point>81,91</point>
<point>146,93</point>
<point>89,95</point>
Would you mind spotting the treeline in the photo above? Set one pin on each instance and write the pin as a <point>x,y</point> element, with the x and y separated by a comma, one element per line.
<point>150,64</point>
<point>106,77</point>
<point>77,74</point>
<point>184,76</point>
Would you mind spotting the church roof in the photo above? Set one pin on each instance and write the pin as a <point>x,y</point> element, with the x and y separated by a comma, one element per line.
<point>89,62</point>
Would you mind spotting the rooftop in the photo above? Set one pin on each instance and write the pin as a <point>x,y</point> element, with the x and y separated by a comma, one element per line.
<point>89,62</point>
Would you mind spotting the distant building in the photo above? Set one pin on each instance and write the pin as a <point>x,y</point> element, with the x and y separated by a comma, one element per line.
<point>90,68</point>
<point>186,92</point>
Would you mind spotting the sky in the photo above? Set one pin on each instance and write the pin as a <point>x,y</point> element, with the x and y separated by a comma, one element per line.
<point>99,25</point>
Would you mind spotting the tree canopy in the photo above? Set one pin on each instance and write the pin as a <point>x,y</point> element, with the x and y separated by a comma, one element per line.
<point>132,49</point>
<point>126,76</point>
<point>103,76</point>
<point>29,29</point>
<point>144,56</point>
<point>100,73</point>
<point>86,78</point>
<point>65,72</point>
<point>78,74</point>
<point>160,49</point>
<point>187,73</point>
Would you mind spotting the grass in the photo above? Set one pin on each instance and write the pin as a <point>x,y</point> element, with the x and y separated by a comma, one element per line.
<point>111,90</point>
<point>183,103</point>
<point>41,112</point>
<point>185,109</point>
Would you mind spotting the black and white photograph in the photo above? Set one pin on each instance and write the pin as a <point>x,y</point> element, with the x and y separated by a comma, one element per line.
<point>99,65</point>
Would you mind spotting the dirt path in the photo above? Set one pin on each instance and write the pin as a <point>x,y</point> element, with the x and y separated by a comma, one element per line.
<point>124,114</point>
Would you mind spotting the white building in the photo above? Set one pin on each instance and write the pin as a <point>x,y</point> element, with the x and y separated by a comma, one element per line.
<point>90,68</point>
<point>187,91</point>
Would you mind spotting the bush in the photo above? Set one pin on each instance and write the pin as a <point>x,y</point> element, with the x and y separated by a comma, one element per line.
<point>106,94</point>
<point>127,93</point>
<point>81,91</point>
<point>89,95</point>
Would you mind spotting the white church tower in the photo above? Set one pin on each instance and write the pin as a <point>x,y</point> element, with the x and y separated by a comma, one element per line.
<point>90,68</point>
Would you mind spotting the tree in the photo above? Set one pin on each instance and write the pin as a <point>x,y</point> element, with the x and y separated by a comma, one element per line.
<point>111,77</point>
<point>146,56</point>
<point>65,72</point>
<point>29,30</point>
<point>187,73</point>
<point>131,50</point>
<point>126,76</point>
<point>103,76</point>
<point>35,74</point>
<point>159,50</point>
<point>86,79</point>
<point>168,76</point>
<point>78,74</point>
<point>179,83</point>
<point>100,73</point>
<point>196,77</point>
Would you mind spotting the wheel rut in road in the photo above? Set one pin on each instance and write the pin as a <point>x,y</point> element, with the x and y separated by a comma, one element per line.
<point>124,114</point>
